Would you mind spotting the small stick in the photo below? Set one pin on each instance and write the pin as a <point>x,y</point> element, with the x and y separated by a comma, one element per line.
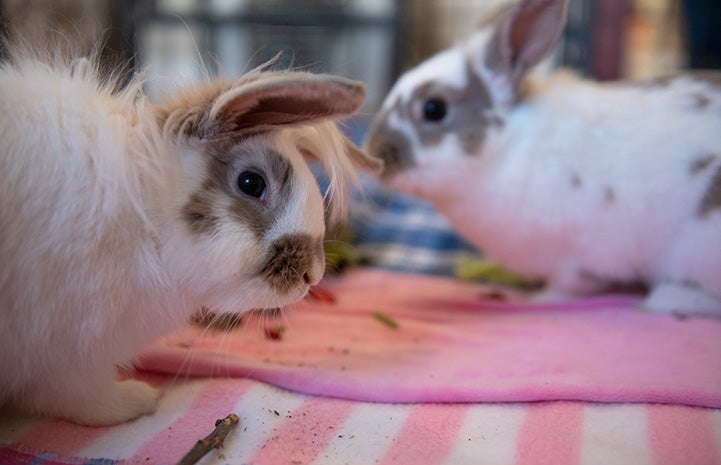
<point>213,441</point>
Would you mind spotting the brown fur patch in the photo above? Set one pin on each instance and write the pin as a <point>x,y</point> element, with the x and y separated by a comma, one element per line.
<point>203,210</point>
<point>575,181</point>
<point>199,213</point>
<point>289,262</point>
<point>596,283</point>
<point>702,101</point>
<point>712,78</point>
<point>609,195</point>
<point>700,164</point>
<point>466,113</point>
<point>391,146</point>
<point>472,142</point>
<point>712,198</point>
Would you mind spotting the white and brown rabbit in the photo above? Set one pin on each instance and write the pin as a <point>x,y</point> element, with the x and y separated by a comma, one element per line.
<point>120,218</point>
<point>579,183</point>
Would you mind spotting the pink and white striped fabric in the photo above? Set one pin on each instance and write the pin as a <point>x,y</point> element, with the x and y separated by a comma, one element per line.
<point>281,427</point>
<point>461,381</point>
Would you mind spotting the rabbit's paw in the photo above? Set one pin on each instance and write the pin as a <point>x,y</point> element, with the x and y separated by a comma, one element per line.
<point>125,401</point>
<point>682,299</point>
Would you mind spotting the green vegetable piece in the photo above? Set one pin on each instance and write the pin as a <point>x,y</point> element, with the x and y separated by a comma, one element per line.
<point>386,320</point>
<point>340,253</point>
<point>487,271</point>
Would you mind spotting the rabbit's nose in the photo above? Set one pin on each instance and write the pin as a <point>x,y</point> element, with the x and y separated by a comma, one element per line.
<point>293,261</point>
<point>391,146</point>
<point>315,273</point>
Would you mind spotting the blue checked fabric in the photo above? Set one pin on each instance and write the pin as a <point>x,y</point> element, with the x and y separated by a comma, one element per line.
<point>401,233</point>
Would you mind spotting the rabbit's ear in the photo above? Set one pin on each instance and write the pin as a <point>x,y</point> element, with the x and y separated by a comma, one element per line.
<point>524,35</point>
<point>362,159</point>
<point>284,99</point>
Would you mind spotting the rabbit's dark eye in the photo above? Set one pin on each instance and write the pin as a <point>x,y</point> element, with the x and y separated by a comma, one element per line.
<point>251,184</point>
<point>434,109</point>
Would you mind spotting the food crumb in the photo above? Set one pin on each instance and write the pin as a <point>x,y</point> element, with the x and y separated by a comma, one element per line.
<point>319,294</point>
<point>274,333</point>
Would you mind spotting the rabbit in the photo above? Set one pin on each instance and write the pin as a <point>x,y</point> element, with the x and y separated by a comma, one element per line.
<point>121,217</point>
<point>583,185</point>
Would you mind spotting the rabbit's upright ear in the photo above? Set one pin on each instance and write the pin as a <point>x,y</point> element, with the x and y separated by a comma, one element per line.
<point>285,99</point>
<point>524,35</point>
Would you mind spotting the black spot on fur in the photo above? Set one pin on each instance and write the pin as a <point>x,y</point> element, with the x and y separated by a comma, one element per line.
<point>700,164</point>
<point>702,101</point>
<point>609,196</point>
<point>712,198</point>
<point>575,181</point>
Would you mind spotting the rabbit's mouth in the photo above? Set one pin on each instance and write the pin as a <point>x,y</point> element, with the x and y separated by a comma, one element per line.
<point>389,145</point>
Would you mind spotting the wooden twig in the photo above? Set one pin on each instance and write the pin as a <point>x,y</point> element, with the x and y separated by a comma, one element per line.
<point>213,441</point>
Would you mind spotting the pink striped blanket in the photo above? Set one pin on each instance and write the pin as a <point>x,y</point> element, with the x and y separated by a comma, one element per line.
<point>461,379</point>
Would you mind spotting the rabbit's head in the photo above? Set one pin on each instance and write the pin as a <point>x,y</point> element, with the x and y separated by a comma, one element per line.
<point>251,219</point>
<point>448,108</point>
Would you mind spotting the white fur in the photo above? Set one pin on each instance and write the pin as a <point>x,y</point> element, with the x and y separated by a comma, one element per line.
<point>96,258</point>
<point>633,214</point>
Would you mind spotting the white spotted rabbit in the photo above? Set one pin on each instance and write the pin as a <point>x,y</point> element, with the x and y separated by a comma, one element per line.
<point>579,183</point>
<point>120,218</point>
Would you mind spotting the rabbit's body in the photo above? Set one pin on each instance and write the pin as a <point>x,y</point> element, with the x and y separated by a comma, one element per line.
<point>616,219</point>
<point>580,183</point>
<point>121,218</point>
<point>80,269</point>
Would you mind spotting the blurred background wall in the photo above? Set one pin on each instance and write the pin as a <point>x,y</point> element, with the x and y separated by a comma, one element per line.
<point>370,40</point>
